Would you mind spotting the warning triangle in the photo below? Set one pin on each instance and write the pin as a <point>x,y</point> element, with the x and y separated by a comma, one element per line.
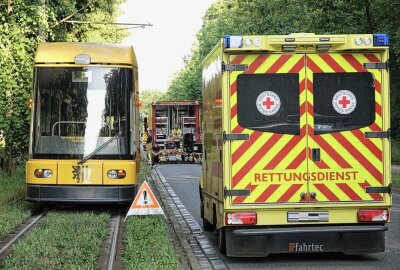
<point>145,203</point>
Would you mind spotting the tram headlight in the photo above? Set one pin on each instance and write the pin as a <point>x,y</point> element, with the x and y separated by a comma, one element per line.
<point>116,174</point>
<point>43,173</point>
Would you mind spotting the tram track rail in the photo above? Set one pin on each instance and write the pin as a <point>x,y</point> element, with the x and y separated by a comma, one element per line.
<point>111,259</point>
<point>8,242</point>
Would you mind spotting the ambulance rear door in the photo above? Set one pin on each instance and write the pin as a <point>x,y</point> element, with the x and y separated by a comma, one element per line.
<point>345,121</point>
<point>267,130</point>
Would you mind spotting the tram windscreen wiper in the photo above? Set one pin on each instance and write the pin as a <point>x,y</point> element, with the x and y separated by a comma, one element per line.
<point>84,159</point>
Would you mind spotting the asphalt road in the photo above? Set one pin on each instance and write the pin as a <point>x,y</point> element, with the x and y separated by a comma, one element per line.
<point>183,178</point>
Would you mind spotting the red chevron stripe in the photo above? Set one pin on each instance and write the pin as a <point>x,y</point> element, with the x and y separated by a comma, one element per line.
<point>298,66</point>
<point>320,164</point>
<point>302,86</point>
<point>234,110</point>
<point>284,151</point>
<point>279,63</point>
<point>371,57</point>
<point>310,86</point>
<point>349,192</point>
<point>238,59</point>
<point>332,63</point>
<point>353,62</point>
<point>245,145</point>
<point>378,109</point>
<point>358,156</point>
<point>233,87</point>
<point>310,108</point>
<point>368,144</point>
<point>256,63</point>
<point>238,129</point>
<point>289,193</point>
<point>298,160</point>
<point>329,150</point>
<point>252,68</point>
<point>240,199</point>
<point>302,109</point>
<point>256,158</point>
<point>313,67</point>
<point>327,192</point>
<point>375,196</point>
<point>375,127</point>
<point>267,193</point>
<point>378,86</point>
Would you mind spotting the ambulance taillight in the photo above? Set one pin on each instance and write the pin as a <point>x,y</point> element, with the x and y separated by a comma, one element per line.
<point>241,218</point>
<point>373,215</point>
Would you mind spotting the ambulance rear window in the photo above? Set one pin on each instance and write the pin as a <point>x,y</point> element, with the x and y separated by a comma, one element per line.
<point>343,101</point>
<point>269,102</point>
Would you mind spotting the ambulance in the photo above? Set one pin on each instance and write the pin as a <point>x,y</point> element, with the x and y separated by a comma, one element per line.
<point>296,155</point>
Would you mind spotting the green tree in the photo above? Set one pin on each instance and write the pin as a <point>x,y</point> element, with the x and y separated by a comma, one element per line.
<point>148,97</point>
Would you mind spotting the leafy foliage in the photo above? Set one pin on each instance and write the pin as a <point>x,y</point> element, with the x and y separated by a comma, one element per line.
<point>12,187</point>
<point>230,17</point>
<point>19,37</point>
<point>148,97</point>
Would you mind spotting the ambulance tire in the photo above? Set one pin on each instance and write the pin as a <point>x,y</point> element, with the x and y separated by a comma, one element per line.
<point>222,240</point>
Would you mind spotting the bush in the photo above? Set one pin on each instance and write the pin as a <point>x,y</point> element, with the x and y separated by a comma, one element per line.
<point>396,151</point>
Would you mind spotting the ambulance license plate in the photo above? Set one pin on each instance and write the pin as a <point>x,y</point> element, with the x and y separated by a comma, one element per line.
<point>320,216</point>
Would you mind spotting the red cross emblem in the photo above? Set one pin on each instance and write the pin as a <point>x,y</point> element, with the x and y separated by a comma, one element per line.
<point>344,102</point>
<point>268,103</point>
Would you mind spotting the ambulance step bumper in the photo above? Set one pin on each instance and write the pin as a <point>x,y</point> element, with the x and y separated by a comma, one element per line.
<point>80,194</point>
<point>358,239</point>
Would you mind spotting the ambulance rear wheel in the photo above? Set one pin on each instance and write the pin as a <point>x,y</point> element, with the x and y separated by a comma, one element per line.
<point>222,240</point>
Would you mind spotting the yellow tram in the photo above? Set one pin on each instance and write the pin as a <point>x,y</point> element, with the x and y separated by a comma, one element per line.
<point>84,143</point>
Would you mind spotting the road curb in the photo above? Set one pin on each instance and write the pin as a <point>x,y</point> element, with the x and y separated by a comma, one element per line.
<point>200,253</point>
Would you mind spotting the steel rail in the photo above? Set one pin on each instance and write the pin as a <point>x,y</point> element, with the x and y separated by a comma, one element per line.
<point>21,233</point>
<point>114,241</point>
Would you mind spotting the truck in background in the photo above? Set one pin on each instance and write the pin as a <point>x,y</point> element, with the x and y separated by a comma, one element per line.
<point>164,115</point>
<point>296,144</point>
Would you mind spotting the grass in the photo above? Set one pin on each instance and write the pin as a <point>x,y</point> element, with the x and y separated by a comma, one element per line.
<point>145,171</point>
<point>65,240</point>
<point>396,180</point>
<point>12,215</point>
<point>13,210</point>
<point>12,187</point>
<point>147,245</point>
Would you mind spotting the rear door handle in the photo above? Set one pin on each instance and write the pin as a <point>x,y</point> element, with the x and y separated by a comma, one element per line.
<point>316,154</point>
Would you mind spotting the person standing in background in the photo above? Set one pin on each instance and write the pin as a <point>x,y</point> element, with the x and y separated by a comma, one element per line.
<point>177,135</point>
<point>149,146</point>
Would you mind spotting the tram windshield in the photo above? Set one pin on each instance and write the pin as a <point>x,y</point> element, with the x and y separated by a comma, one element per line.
<point>80,108</point>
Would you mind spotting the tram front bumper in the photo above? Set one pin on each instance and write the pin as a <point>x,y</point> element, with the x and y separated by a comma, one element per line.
<point>80,194</point>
